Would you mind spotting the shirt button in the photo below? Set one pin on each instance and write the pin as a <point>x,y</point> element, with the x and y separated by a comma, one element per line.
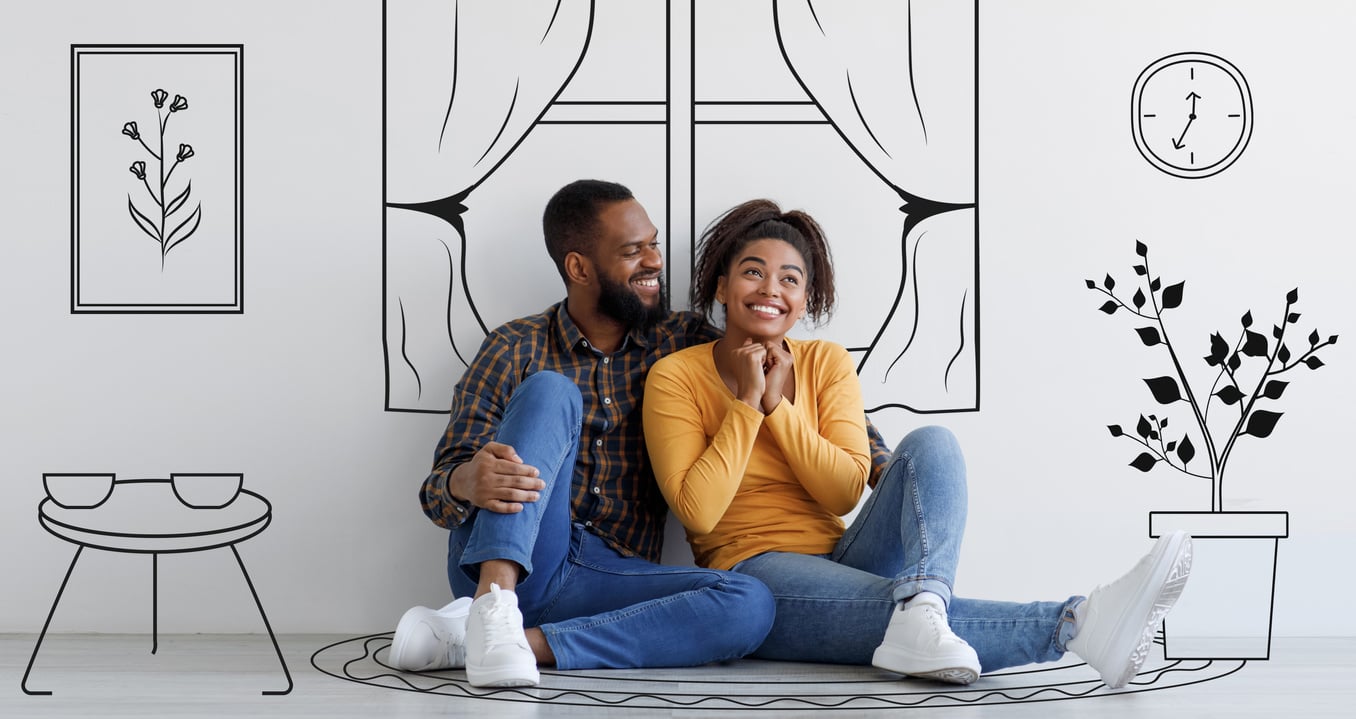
<point>588,524</point>
<point>597,442</point>
<point>607,360</point>
<point>596,490</point>
<point>607,400</point>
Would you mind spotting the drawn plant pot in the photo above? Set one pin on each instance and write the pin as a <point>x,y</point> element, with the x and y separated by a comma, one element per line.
<point>206,491</point>
<point>1225,612</point>
<point>78,491</point>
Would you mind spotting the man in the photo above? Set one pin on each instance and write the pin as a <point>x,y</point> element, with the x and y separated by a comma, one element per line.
<point>543,479</point>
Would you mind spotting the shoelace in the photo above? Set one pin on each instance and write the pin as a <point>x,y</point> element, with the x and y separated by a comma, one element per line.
<point>502,624</point>
<point>937,620</point>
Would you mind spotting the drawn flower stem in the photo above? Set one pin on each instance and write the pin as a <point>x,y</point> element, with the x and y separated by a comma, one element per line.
<point>159,230</point>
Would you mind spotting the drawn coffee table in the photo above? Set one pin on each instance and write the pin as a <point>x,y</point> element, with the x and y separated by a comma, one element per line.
<point>146,516</point>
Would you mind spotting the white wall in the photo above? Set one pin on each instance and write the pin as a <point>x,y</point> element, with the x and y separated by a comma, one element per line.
<point>292,391</point>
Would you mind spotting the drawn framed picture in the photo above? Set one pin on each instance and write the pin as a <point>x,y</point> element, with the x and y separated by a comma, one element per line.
<point>157,165</point>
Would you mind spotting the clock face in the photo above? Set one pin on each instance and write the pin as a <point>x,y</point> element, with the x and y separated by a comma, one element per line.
<point>1191,114</point>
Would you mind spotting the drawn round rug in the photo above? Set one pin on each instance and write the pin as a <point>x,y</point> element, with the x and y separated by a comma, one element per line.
<point>762,685</point>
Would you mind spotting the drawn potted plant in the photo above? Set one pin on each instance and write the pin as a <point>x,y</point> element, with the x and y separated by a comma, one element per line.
<point>1247,382</point>
<point>167,211</point>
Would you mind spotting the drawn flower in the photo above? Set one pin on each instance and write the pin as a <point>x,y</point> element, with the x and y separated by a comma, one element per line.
<point>159,97</point>
<point>180,103</point>
<point>138,168</point>
<point>130,130</point>
<point>185,152</point>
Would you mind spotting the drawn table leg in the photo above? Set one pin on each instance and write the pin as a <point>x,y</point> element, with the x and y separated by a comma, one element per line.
<point>24,683</point>
<point>155,602</point>
<point>267,626</point>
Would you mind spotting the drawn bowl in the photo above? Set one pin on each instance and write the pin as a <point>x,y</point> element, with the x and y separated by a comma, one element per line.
<point>206,491</point>
<point>78,491</point>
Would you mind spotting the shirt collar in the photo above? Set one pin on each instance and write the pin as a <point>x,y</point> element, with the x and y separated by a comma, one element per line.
<point>570,336</point>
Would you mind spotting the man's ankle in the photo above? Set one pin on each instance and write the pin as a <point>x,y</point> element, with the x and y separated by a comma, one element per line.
<point>503,572</point>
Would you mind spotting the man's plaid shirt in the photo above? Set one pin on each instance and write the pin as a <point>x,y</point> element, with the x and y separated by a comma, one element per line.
<point>614,494</point>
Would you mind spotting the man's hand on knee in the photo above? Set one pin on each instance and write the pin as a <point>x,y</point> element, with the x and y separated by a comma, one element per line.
<point>496,479</point>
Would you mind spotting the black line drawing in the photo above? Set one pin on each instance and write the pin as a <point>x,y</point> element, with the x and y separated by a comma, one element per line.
<point>906,102</point>
<point>924,333</point>
<point>498,75</point>
<point>1245,379</point>
<point>193,512</point>
<point>185,223</point>
<point>1191,114</point>
<point>113,215</point>
<point>361,660</point>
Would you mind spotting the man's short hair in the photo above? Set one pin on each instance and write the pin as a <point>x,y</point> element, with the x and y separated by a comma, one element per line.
<point>570,222</point>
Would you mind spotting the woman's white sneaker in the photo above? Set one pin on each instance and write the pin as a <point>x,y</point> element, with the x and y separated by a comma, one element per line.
<point>919,643</point>
<point>1119,619</point>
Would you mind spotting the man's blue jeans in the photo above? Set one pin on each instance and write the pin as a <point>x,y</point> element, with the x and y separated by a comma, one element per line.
<point>906,539</point>
<point>598,608</point>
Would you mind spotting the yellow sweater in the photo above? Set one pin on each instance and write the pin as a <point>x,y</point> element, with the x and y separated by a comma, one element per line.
<point>743,483</point>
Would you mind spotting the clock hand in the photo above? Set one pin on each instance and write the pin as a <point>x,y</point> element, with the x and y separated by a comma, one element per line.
<point>1178,142</point>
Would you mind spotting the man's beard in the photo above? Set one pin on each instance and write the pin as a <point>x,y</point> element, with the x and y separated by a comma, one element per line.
<point>618,301</point>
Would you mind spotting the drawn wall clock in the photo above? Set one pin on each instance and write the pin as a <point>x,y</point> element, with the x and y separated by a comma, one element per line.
<point>1191,114</point>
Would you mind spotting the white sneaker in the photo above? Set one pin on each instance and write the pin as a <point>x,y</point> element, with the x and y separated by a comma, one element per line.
<point>1119,619</point>
<point>919,643</point>
<point>428,639</point>
<point>497,652</point>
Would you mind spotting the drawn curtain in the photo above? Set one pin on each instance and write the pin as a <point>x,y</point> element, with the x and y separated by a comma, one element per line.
<point>897,81</point>
<point>465,83</point>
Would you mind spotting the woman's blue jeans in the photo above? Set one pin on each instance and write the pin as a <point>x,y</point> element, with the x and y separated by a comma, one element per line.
<point>597,608</point>
<point>906,539</point>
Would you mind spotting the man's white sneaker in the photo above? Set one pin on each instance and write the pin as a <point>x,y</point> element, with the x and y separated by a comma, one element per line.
<point>428,639</point>
<point>1119,619</point>
<point>497,652</point>
<point>919,643</point>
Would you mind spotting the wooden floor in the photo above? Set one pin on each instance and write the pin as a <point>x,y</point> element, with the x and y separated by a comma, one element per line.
<point>224,675</point>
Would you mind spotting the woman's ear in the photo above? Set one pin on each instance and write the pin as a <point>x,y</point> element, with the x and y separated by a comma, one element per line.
<point>578,268</point>
<point>720,289</point>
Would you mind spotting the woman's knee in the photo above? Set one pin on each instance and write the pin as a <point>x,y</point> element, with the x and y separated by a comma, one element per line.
<point>752,610</point>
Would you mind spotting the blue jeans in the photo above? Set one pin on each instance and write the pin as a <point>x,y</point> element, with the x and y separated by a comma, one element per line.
<point>906,539</point>
<point>597,608</point>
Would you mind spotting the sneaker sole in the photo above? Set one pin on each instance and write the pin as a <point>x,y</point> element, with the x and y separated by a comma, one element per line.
<point>1178,560</point>
<point>958,671</point>
<point>507,677</point>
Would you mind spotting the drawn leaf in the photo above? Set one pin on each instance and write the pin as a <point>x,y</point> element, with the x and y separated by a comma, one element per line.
<point>142,221</point>
<point>1148,335</point>
<point>1115,430</point>
<point>1235,361</point>
<point>177,202</point>
<point>1164,389</point>
<point>1276,331</point>
<point>1091,285</point>
<point>1141,249</point>
<point>1229,394</point>
<point>1141,270</point>
<point>1292,296</point>
<point>1144,462</point>
<point>1109,283</point>
<point>1283,354</point>
<point>1172,296</point>
<point>1313,362</point>
<point>1313,338</point>
<point>1186,450</point>
<point>1274,389</point>
<point>1139,299</point>
<point>1109,307</point>
<point>1142,427</point>
<point>1255,345</point>
<point>1262,422</point>
<point>192,226</point>
<point>1247,319</point>
<point>1219,349</point>
<point>1155,284</point>
<point>1292,318</point>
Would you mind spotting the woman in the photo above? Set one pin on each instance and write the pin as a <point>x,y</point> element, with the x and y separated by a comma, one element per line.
<point>758,442</point>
